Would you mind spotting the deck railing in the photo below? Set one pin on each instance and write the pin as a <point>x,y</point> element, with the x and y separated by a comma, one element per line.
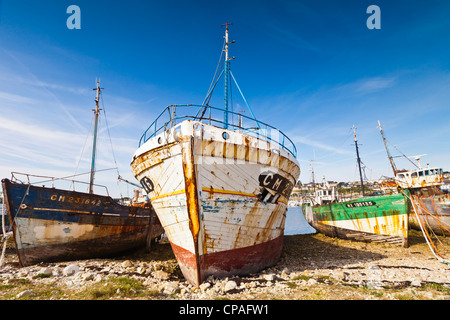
<point>174,114</point>
<point>49,181</point>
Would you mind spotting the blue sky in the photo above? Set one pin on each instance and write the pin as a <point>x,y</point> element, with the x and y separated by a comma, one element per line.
<point>310,68</point>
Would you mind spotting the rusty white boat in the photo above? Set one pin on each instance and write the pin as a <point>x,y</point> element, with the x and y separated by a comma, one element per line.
<point>219,188</point>
<point>54,224</point>
<point>430,206</point>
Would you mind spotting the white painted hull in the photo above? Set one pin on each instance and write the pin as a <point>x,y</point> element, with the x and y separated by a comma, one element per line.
<point>222,202</point>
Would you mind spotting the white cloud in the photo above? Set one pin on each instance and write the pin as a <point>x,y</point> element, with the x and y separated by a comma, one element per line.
<point>318,144</point>
<point>373,84</point>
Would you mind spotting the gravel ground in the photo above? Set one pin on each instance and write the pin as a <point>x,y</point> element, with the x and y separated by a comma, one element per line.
<point>312,267</point>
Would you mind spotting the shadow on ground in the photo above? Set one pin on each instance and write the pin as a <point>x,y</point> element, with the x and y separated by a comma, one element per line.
<point>316,251</point>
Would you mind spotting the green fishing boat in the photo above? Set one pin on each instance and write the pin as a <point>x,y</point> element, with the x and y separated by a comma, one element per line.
<point>381,218</point>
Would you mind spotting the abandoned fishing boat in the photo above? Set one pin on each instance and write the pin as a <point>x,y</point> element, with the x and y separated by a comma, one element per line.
<point>431,204</point>
<point>381,218</point>
<point>51,224</point>
<point>219,188</point>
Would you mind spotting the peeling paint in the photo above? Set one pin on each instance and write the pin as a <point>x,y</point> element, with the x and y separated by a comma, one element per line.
<point>51,225</point>
<point>384,220</point>
<point>219,213</point>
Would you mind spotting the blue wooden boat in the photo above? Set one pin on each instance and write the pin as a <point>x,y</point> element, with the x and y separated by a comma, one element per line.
<point>51,224</point>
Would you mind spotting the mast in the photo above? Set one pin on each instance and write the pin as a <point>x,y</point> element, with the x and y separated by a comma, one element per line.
<point>94,143</point>
<point>391,160</point>
<point>359,161</point>
<point>226,74</point>
<point>312,174</point>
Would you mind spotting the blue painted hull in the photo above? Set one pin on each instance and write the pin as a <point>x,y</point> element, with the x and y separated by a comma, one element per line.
<point>58,225</point>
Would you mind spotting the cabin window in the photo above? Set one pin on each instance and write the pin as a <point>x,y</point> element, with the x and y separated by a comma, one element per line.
<point>432,172</point>
<point>401,176</point>
<point>427,173</point>
<point>420,173</point>
<point>414,175</point>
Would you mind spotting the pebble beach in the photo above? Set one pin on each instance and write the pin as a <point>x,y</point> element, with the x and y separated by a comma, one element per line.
<point>312,267</point>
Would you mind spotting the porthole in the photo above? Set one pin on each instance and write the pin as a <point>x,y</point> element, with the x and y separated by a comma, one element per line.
<point>159,140</point>
<point>225,135</point>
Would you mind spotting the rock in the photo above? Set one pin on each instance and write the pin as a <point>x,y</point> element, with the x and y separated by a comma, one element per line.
<point>21,274</point>
<point>170,288</point>
<point>205,286</point>
<point>57,272</point>
<point>269,277</point>
<point>97,278</point>
<point>141,270</point>
<point>71,269</point>
<point>127,264</point>
<point>45,271</point>
<point>160,274</point>
<point>230,285</point>
<point>285,273</point>
<point>416,283</point>
<point>338,275</point>
<point>312,282</point>
<point>87,276</point>
<point>24,294</point>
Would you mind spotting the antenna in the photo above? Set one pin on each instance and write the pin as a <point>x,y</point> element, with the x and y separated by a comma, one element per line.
<point>359,161</point>
<point>226,74</point>
<point>312,173</point>
<point>226,41</point>
<point>417,158</point>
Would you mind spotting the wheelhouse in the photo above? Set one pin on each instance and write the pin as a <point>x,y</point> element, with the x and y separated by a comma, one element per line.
<point>420,178</point>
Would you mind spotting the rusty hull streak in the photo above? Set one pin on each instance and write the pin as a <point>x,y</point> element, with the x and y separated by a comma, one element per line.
<point>192,199</point>
<point>195,147</point>
<point>46,229</point>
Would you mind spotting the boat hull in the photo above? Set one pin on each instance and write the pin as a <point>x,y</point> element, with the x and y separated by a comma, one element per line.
<point>215,198</point>
<point>371,219</point>
<point>433,211</point>
<point>52,225</point>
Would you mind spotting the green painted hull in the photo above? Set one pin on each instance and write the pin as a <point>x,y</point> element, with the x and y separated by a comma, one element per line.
<point>373,219</point>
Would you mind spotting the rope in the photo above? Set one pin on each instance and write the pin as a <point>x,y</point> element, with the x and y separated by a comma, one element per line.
<point>219,64</point>
<point>112,149</point>
<point>435,210</point>
<point>5,236</point>
<point>82,151</point>
<point>419,200</point>
<point>426,235</point>
<point>424,211</point>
